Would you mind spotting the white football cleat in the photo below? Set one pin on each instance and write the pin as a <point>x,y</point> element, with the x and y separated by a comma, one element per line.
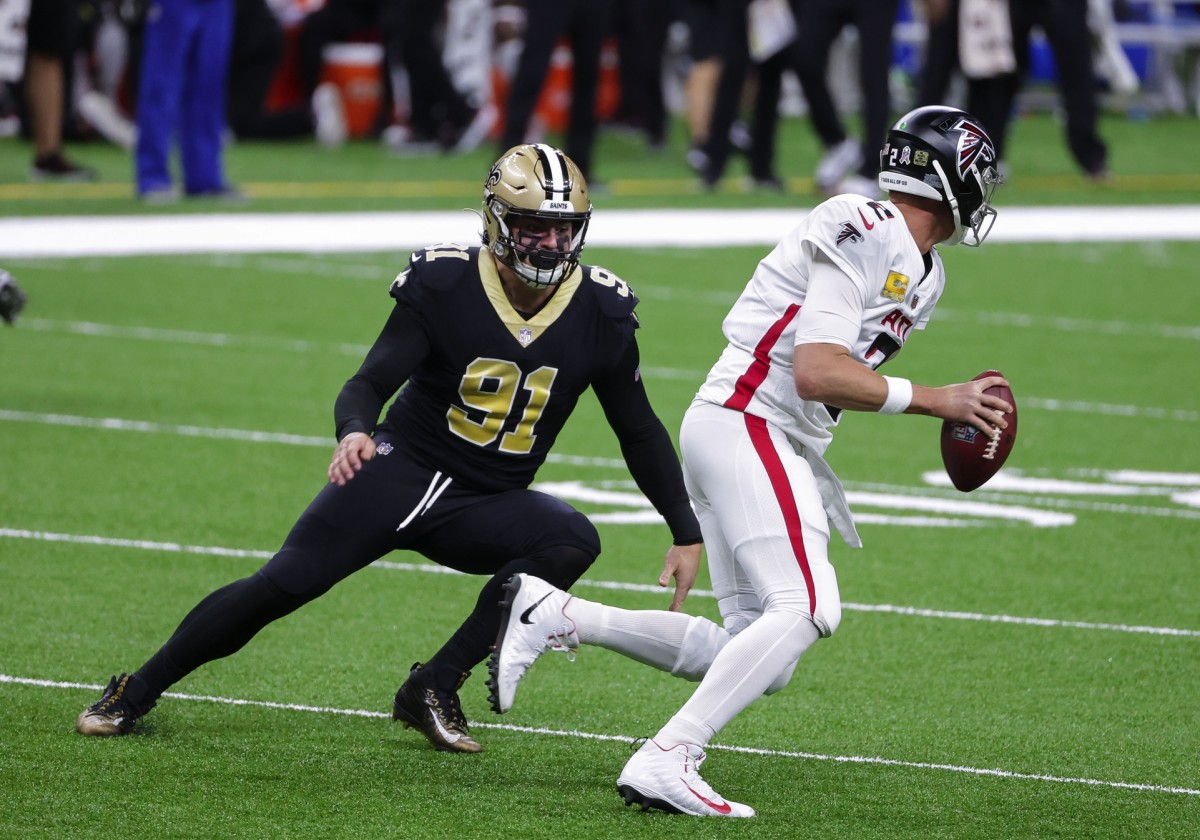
<point>669,779</point>
<point>532,621</point>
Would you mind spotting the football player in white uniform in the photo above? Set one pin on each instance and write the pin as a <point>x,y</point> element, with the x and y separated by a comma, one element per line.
<point>836,298</point>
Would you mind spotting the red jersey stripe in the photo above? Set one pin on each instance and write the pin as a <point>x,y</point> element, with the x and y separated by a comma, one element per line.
<point>761,438</point>
<point>754,376</point>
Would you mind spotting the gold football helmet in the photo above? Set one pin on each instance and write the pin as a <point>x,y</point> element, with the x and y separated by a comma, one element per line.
<point>535,194</point>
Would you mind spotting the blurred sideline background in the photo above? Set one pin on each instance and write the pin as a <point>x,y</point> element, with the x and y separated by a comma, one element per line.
<point>1147,77</point>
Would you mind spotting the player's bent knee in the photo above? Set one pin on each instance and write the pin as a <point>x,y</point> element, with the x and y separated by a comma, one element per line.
<point>575,530</point>
<point>830,615</point>
<point>702,641</point>
<point>783,679</point>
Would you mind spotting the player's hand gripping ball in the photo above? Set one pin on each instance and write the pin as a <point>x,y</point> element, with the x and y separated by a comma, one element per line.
<point>972,457</point>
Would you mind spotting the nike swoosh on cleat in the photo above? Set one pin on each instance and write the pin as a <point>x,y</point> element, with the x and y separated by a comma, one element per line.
<point>720,808</point>
<point>869,225</point>
<point>525,615</point>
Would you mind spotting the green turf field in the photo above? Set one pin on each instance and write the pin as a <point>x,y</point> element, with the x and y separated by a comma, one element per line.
<point>1019,662</point>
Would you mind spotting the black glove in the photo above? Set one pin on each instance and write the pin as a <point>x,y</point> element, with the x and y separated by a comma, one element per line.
<point>12,299</point>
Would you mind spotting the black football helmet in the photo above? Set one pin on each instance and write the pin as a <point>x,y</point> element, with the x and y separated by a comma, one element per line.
<point>535,182</point>
<point>945,154</point>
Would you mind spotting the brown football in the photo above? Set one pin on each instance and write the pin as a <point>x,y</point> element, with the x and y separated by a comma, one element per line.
<point>970,456</point>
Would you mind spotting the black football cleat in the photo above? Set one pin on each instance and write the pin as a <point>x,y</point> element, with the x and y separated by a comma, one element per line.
<point>12,299</point>
<point>422,704</point>
<point>114,713</point>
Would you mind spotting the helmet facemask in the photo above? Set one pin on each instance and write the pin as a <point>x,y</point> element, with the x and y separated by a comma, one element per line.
<point>972,230</point>
<point>536,214</point>
<point>943,153</point>
<point>542,248</point>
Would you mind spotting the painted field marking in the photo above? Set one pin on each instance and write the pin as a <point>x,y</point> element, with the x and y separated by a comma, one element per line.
<point>580,492</point>
<point>82,236</point>
<point>1059,324</point>
<point>876,495</point>
<point>217,339</point>
<point>218,433</point>
<point>595,736</point>
<point>92,329</point>
<point>429,568</point>
<point>983,494</point>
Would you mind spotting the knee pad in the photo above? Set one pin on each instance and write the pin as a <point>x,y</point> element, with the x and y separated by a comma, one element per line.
<point>702,641</point>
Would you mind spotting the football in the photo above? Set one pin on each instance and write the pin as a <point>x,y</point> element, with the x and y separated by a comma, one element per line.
<point>970,456</point>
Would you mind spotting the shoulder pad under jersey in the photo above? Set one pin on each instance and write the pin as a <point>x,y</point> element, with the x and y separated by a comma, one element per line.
<point>614,295</point>
<point>435,267</point>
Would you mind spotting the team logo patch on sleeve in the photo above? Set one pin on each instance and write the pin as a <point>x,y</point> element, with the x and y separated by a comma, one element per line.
<point>895,286</point>
<point>849,233</point>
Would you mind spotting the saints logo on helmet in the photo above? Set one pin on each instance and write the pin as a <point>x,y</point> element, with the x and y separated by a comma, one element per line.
<point>536,213</point>
<point>944,154</point>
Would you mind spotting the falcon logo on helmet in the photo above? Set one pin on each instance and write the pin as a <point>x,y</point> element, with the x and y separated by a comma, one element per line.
<point>536,196</point>
<point>972,142</point>
<point>956,147</point>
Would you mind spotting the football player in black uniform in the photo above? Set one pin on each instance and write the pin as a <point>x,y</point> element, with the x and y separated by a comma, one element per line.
<point>493,347</point>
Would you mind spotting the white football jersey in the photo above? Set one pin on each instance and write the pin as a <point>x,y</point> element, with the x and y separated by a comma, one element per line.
<point>891,292</point>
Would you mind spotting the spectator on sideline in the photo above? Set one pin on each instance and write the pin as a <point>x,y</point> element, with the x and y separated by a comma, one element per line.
<point>439,113</point>
<point>726,132</point>
<point>804,341</point>
<point>52,33</point>
<point>258,42</point>
<point>641,41</point>
<point>703,26</point>
<point>480,335</point>
<point>849,164</point>
<point>992,96</point>
<point>181,97</point>
<point>586,23</point>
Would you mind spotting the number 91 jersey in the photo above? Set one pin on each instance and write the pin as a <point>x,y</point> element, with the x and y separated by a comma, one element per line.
<point>490,398</point>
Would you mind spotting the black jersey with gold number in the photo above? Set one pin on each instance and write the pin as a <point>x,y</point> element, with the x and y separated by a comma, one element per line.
<point>488,401</point>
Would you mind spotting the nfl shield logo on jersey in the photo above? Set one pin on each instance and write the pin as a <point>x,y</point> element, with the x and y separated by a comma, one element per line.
<point>525,336</point>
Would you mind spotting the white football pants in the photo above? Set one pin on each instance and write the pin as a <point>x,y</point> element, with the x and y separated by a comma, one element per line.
<point>767,536</point>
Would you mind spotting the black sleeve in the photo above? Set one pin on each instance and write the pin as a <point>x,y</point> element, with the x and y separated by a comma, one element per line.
<point>391,360</point>
<point>646,446</point>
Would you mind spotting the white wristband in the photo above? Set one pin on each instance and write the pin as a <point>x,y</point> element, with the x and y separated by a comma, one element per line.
<point>899,395</point>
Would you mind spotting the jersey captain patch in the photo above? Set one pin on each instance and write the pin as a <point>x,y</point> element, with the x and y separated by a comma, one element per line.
<point>895,286</point>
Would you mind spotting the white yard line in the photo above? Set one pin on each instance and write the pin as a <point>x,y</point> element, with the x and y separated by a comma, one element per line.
<point>428,568</point>
<point>217,433</point>
<point>596,736</point>
<point>80,236</point>
<point>878,495</point>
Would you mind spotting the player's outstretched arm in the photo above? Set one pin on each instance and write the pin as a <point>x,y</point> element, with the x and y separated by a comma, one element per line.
<point>827,373</point>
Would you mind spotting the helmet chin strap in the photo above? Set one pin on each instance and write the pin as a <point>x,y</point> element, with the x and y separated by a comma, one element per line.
<point>532,277</point>
<point>960,230</point>
<point>538,278</point>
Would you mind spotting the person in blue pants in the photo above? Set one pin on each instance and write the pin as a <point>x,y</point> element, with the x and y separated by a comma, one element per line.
<point>181,97</point>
